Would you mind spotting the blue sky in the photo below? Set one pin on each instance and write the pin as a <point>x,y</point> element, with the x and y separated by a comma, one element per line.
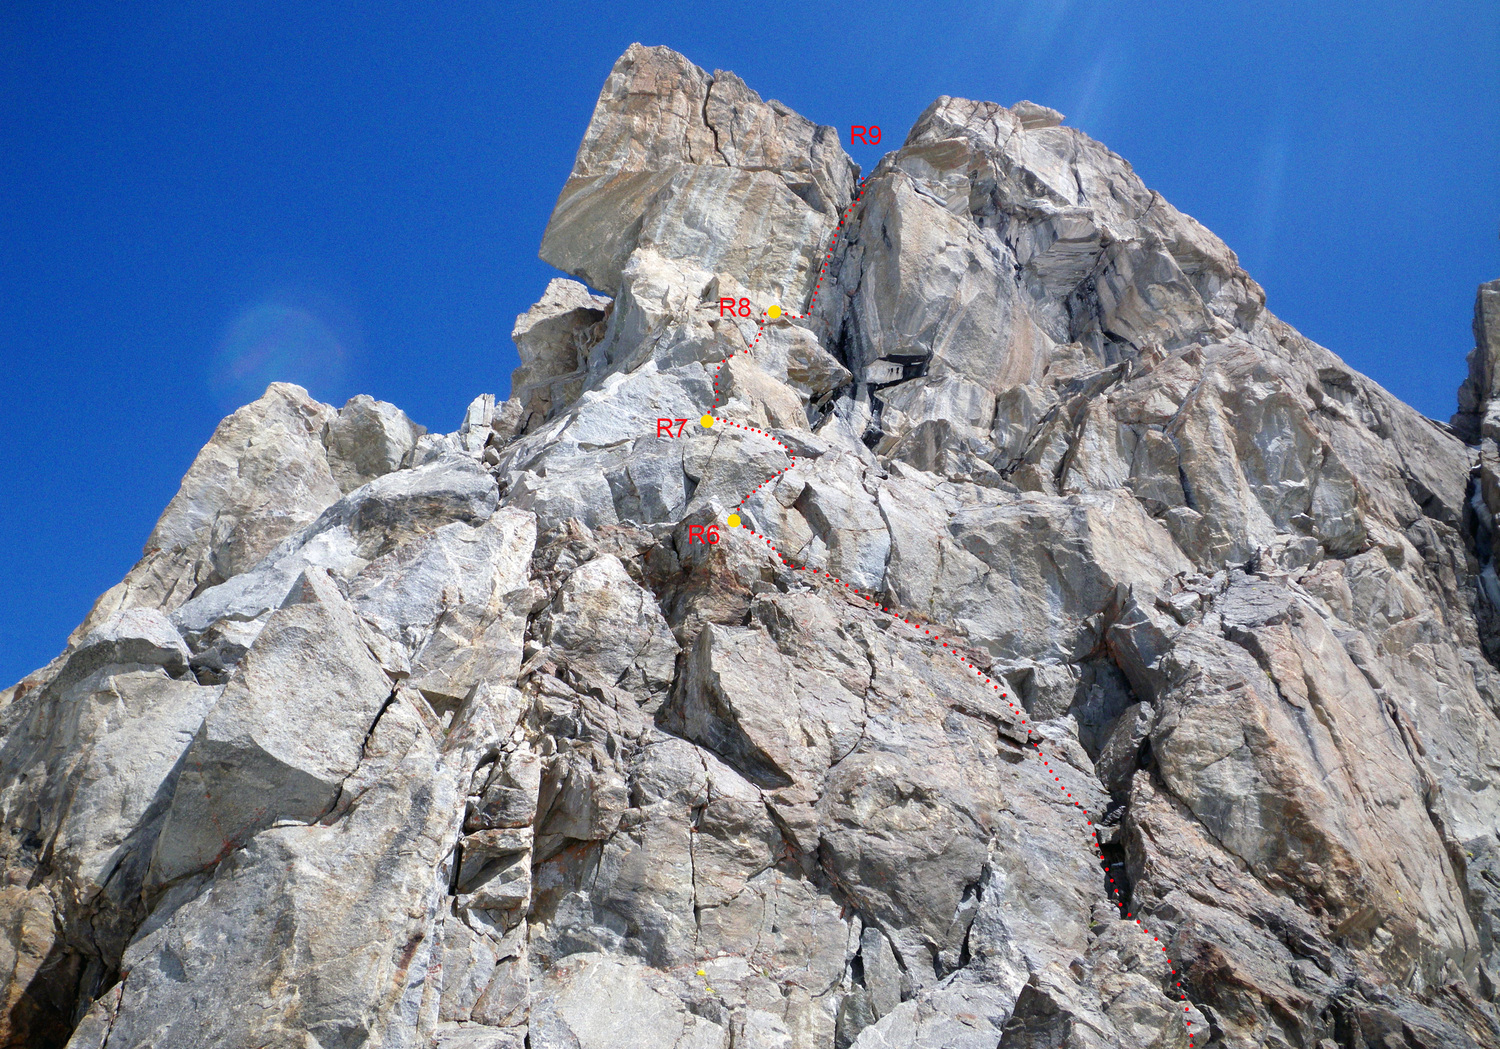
<point>363,188</point>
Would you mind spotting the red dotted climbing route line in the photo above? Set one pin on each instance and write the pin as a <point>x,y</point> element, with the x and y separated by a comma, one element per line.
<point>1094,843</point>
<point>761,327</point>
<point>927,631</point>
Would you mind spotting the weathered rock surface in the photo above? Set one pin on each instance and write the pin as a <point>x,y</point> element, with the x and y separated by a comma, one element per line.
<point>462,740</point>
<point>368,439</point>
<point>264,475</point>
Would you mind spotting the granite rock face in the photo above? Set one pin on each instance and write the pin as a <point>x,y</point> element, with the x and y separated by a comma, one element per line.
<point>462,740</point>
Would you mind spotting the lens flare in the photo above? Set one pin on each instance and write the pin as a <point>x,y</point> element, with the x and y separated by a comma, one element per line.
<point>276,341</point>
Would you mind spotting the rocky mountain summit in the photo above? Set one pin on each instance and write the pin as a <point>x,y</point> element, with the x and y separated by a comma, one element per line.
<point>399,739</point>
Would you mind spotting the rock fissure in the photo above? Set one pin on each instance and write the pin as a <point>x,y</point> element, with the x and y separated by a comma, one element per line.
<point>1023,395</point>
<point>873,600</point>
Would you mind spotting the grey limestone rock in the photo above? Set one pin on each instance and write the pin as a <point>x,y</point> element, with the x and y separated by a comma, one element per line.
<point>263,476</point>
<point>1122,667</point>
<point>553,339</point>
<point>288,730</point>
<point>368,439</point>
<point>692,166</point>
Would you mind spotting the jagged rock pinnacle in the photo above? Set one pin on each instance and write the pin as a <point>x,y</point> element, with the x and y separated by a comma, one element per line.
<point>1017,637</point>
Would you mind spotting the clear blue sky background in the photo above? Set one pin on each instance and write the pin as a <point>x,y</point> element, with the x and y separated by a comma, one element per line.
<point>365,186</point>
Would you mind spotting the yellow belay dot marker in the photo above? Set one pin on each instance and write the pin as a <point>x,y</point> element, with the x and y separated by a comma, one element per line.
<point>708,420</point>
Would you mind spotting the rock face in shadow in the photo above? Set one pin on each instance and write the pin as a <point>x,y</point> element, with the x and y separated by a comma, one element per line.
<point>396,738</point>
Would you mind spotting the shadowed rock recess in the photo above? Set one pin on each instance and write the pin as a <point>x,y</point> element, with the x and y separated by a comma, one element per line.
<point>407,739</point>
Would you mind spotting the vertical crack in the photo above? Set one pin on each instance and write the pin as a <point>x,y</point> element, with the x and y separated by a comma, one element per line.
<point>709,124</point>
<point>695,818</point>
<point>117,993</point>
<point>336,806</point>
